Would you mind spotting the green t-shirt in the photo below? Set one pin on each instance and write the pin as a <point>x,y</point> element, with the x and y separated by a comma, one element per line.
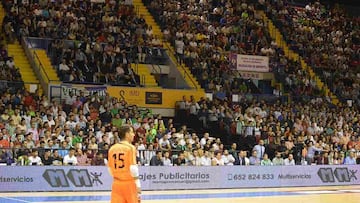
<point>150,138</point>
<point>117,122</point>
<point>114,111</point>
<point>76,139</point>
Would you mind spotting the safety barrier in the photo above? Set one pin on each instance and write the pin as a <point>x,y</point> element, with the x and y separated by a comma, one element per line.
<point>97,178</point>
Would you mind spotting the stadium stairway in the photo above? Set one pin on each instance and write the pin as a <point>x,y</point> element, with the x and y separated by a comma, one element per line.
<point>185,71</point>
<point>279,39</point>
<point>44,60</point>
<point>146,78</point>
<point>22,62</point>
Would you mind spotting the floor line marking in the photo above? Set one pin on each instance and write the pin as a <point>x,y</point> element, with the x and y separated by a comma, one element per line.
<point>14,199</point>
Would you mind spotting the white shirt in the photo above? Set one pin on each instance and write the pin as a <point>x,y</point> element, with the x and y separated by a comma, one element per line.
<point>35,160</point>
<point>167,162</point>
<point>70,100</point>
<point>64,67</point>
<point>179,46</point>
<point>228,159</point>
<point>68,159</point>
<point>203,141</point>
<point>287,162</point>
<point>205,161</point>
<point>164,143</point>
<point>219,162</point>
<point>11,64</point>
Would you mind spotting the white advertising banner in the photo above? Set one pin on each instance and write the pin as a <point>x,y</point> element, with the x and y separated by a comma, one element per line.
<point>97,178</point>
<point>88,90</point>
<point>250,63</point>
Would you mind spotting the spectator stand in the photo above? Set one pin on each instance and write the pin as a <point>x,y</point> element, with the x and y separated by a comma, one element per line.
<point>210,30</point>
<point>311,21</point>
<point>113,25</point>
<point>10,78</point>
<point>287,128</point>
<point>309,132</point>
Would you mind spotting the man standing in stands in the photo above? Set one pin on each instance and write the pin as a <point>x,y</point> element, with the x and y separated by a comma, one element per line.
<point>122,166</point>
<point>260,149</point>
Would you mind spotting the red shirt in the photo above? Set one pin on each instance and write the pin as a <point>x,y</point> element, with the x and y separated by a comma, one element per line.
<point>28,100</point>
<point>4,143</point>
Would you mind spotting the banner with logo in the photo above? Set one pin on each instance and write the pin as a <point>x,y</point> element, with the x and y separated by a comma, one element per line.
<point>250,63</point>
<point>256,75</point>
<point>97,178</point>
<point>152,97</point>
<point>88,90</point>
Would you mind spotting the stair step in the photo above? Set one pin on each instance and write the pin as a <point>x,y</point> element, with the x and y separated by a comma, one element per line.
<point>292,55</point>
<point>157,32</point>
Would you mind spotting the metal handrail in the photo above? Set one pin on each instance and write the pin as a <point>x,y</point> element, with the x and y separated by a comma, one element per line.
<point>142,81</point>
<point>182,67</point>
<point>137,10</point>
<point>154,69</point>
<point>42,69</point>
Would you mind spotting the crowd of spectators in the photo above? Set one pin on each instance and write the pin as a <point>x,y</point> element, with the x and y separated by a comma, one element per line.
<point>205,33</point>
<point>327,38</point>
<point>80,130</point>
<point>90,41</point>
<point>312,132</point>
<point>37,131</point>
<point>10,77</point>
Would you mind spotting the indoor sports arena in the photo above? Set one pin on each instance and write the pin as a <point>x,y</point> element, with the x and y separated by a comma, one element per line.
<point>128,101</point>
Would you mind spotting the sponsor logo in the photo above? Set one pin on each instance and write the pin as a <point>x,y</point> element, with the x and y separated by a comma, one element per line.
<point>331,175</point>
<point>77,177</point>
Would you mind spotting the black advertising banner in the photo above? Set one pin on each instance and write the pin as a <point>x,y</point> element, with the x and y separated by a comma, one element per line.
<point>153,97</point>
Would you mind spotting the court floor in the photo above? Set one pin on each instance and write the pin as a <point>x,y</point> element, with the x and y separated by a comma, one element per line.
<point>333,194</point>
